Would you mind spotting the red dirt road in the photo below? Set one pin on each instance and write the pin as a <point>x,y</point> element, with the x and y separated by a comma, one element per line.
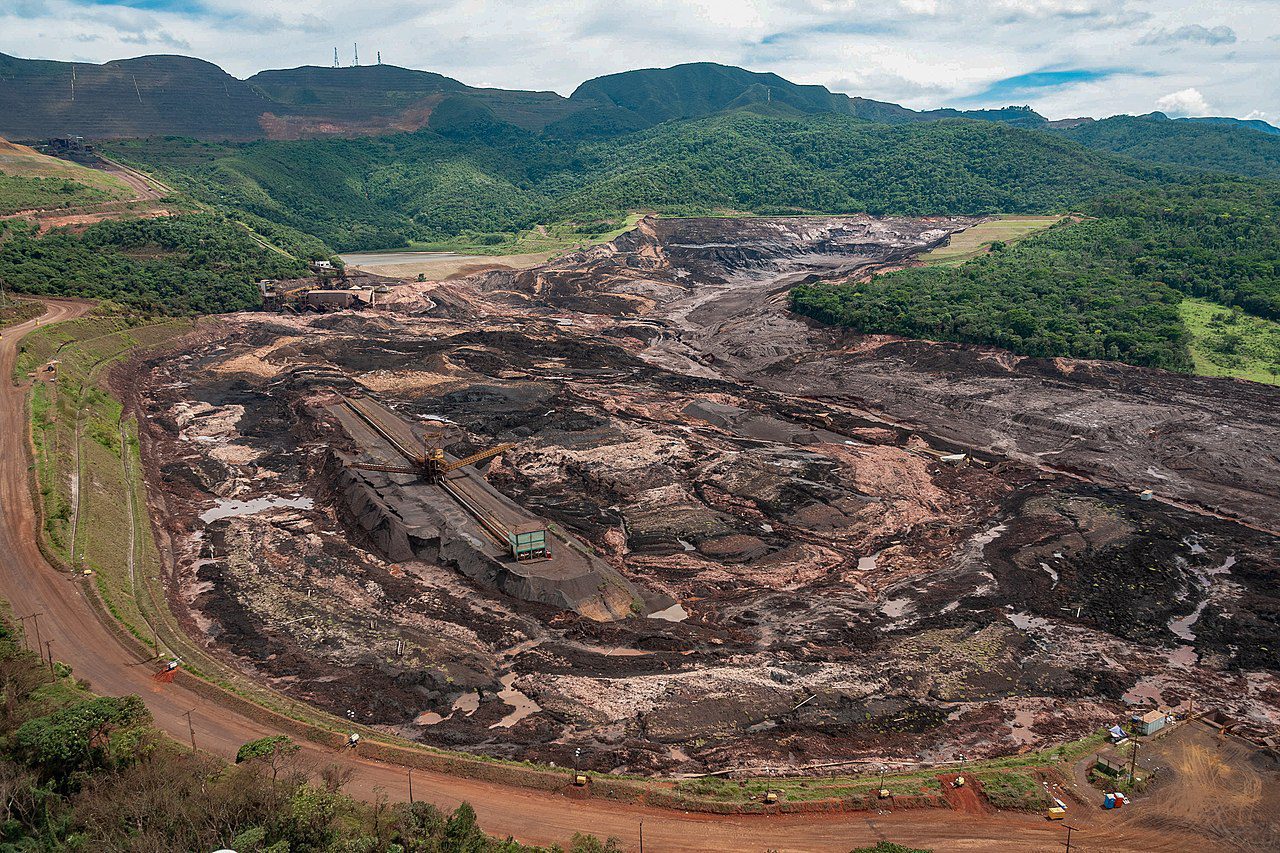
<point>80,639</point>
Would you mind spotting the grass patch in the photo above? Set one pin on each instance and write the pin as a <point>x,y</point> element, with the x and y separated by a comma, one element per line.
<point>30,180</point>
<point>15,311</point>
<point>85,458</point>
<point>1012,791</point>
<point>553,239</point>
<point>1228,342</point>
<point>975,241</point>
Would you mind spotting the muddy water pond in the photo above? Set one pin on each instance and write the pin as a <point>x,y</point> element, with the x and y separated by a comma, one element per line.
<point>228,508</point>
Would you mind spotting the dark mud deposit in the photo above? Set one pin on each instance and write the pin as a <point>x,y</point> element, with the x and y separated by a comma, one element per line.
<point>848,588</point>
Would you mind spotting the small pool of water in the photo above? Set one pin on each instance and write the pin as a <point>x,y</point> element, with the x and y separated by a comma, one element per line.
<point>227,508</point>
<point>674,613</point>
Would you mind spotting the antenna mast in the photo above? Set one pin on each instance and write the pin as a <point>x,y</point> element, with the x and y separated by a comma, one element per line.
<point>335,58</point>
<point>379,57</point>
<point>356,49</point>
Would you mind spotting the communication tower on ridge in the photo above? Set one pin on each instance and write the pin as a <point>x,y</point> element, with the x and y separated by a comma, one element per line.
<point>356,50</point>
<point>379,57</point>
<point>335,58</point>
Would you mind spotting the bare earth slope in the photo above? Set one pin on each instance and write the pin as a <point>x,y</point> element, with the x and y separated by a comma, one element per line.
<point>32,585</point>
<point>908,580</point>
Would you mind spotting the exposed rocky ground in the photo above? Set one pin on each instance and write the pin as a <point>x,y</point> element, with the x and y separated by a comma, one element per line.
<point>872,556</point>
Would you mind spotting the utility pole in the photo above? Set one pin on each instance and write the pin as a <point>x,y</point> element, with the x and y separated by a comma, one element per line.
<point>34,617</point>
<point>641,835</point>
<point>410,786</point>
<point>47,644</point>
<point>1133,760</point>
<point>1069,829</point>
<point>191,729</point>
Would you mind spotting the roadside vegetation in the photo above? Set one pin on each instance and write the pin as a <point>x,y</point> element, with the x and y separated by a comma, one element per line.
<point>15,311</point>
<point>86,456</point>
<point>84,772</point>
<point>19,193</point>
<point>30,180</point>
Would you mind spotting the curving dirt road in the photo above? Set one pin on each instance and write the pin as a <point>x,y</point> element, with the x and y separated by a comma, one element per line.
<point>80,639</point>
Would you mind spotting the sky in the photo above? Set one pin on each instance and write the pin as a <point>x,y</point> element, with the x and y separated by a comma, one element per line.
<point>1066,58</point>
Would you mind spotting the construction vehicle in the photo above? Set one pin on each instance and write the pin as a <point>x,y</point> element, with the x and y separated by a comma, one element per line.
<point>430,463</point>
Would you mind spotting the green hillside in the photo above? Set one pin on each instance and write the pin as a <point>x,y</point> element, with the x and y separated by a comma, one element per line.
<point>31,180</point>
<point>474,174</point>
<point>1109,287</point>
<point>1223,147</point>
<point>196,263</point>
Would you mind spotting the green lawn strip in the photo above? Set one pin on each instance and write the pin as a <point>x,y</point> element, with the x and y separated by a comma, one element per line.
<point>977,240</point>
<point>84,348</point>
<point>1228,342</point>
<point>557,238</point>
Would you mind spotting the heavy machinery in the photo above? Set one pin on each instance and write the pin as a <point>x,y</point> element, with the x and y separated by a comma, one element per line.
<point>430,463</point>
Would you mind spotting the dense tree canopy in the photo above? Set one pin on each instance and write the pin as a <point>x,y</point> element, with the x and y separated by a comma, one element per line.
<point>1107,287</point>
<point>470,173</point>
<point>195,263</point>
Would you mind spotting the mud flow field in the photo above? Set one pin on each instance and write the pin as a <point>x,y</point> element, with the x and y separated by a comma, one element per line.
<point>773,545</point>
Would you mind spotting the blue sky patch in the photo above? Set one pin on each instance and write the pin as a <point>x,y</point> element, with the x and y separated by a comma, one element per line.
<point>1032,83</point>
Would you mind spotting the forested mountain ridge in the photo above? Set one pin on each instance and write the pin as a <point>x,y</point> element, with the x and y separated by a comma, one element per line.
<point>184,96</point>
<point>1217,145</point>
<point>475,175</point>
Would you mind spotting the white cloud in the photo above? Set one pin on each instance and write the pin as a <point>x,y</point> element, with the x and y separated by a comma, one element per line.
<point>1191,33</point>
<point>923,53</point>
<point>1187,102</point>
<point>1256,114</point>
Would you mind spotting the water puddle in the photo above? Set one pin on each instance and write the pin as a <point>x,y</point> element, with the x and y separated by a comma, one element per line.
<point>868,564</point>
<point>674,613</point>
<point>227,508</point>
<point>467,704</point>
<point>1025,621</point>
<point>1181,626</point>
<point>895,608</point>
<point>1023,719</point>
<point>1144,692</point>
<point>522,706</point>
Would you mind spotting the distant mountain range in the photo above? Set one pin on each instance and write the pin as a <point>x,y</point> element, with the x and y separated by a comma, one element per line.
<point>183,96</point>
